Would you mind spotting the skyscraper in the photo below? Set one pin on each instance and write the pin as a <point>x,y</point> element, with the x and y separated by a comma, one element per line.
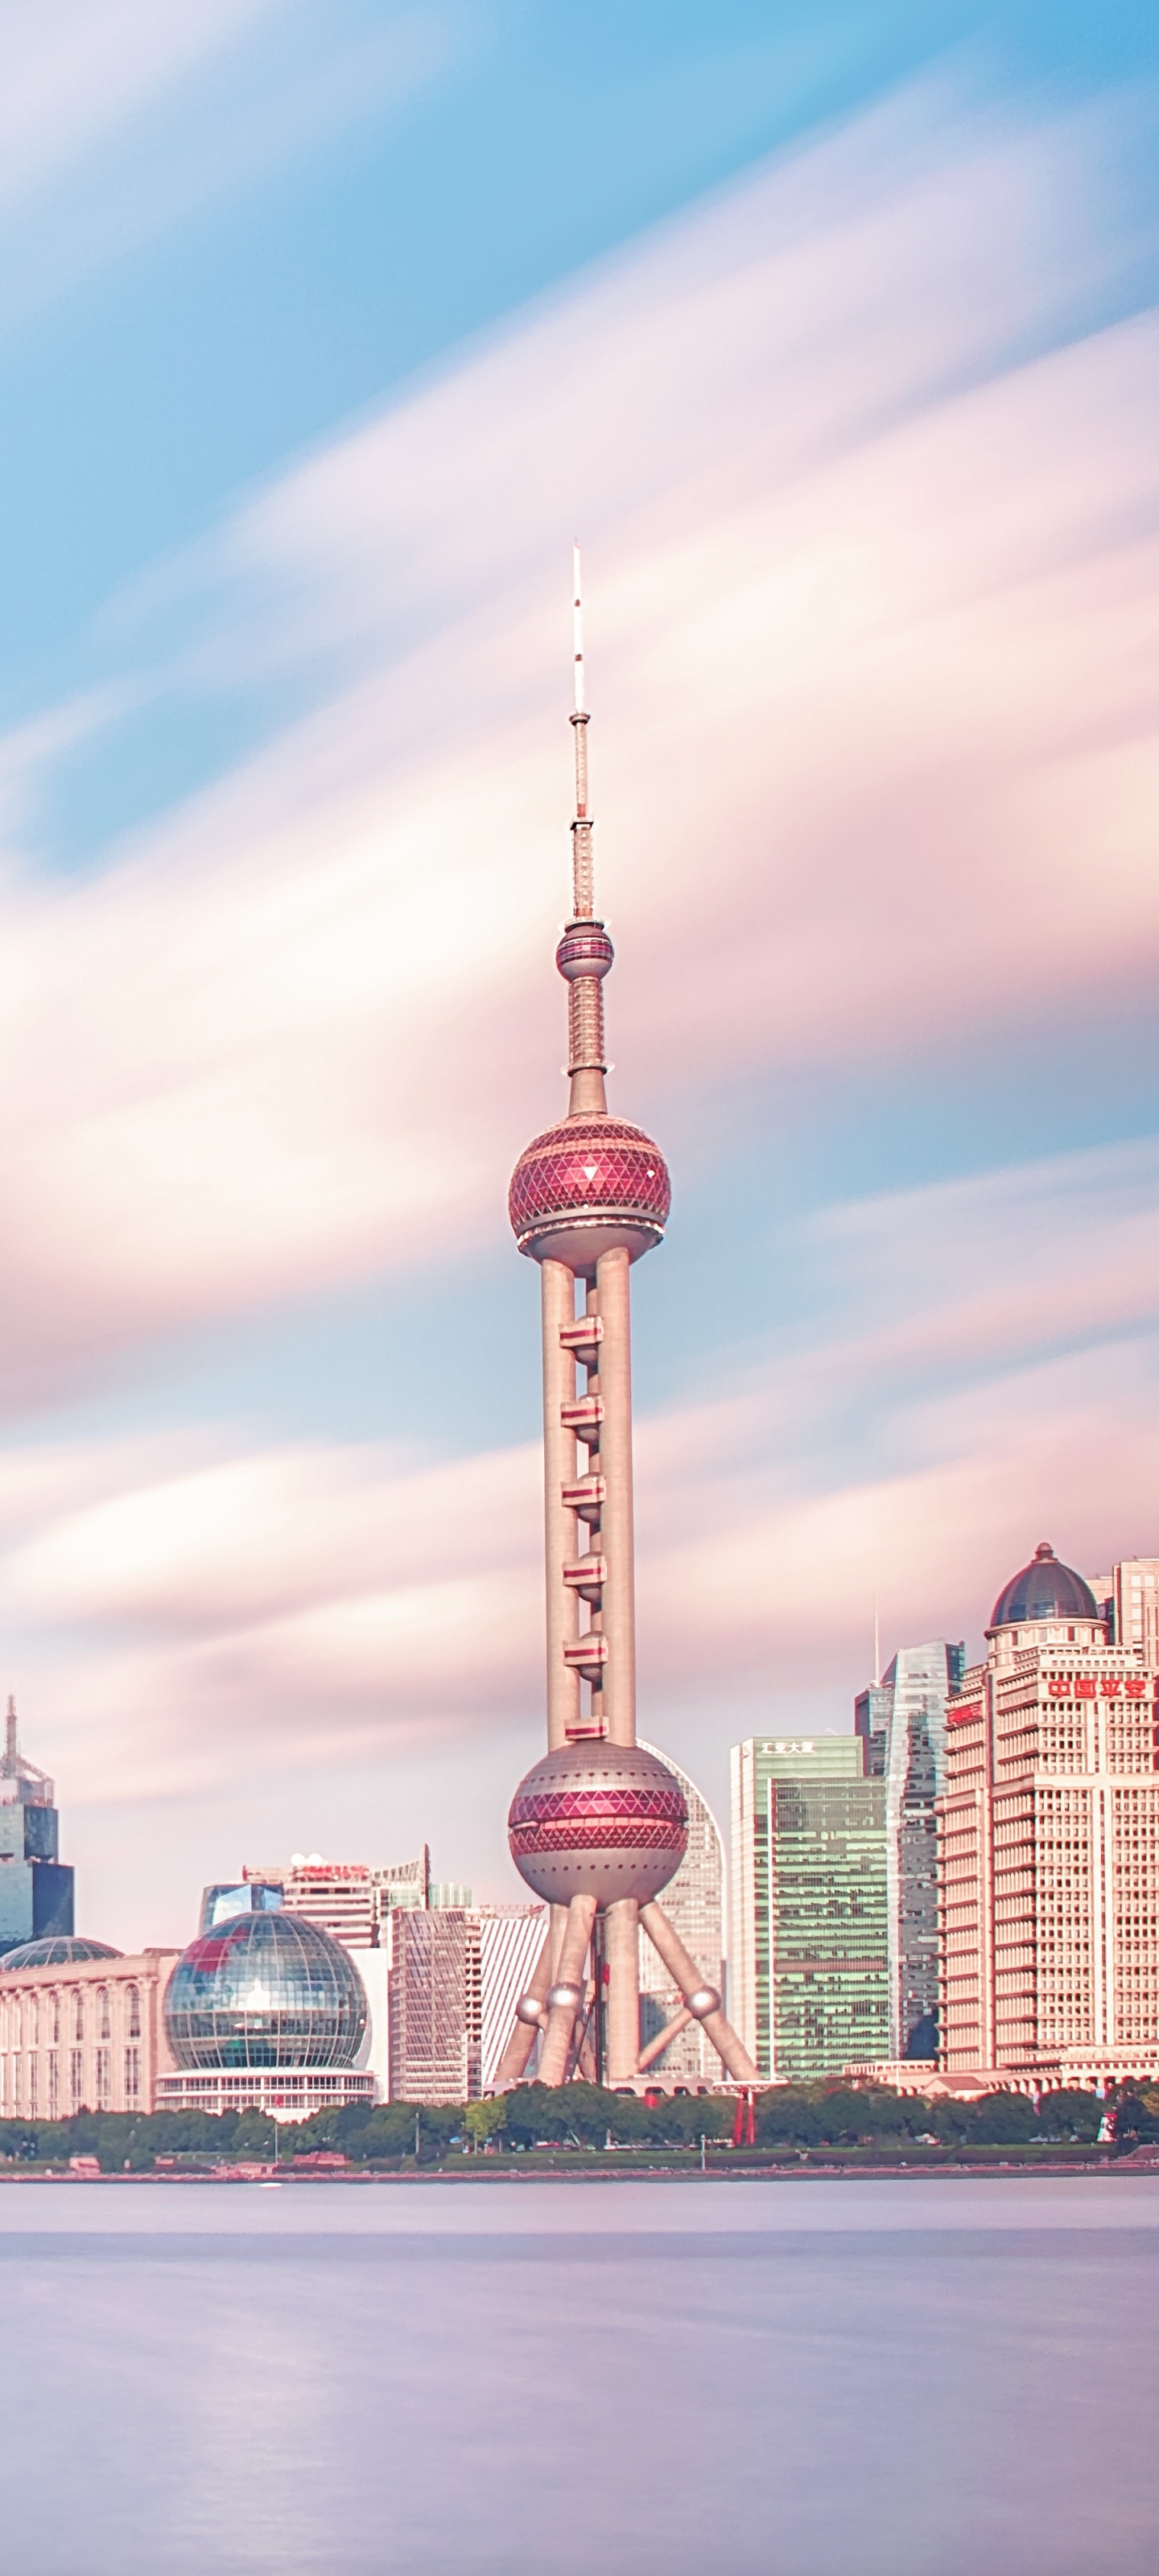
<point>902,1721</point>
<point>1049,1843</point>
<point>811,1977</point>
<point>36,1888</point>
<point>599,1826</point>
<point>454,1976</point>
<point>1134,1602</point>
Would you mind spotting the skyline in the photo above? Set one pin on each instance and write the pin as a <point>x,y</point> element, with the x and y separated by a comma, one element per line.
<point>867,493</point>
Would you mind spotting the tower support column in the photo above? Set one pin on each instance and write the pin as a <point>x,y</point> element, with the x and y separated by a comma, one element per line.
<point>559,1525</point>
<point>566,1997</point>
<point>613,1298</point>
<point>622,2020</point>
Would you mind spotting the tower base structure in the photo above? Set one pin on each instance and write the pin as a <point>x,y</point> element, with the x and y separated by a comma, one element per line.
<point>586,2010</point>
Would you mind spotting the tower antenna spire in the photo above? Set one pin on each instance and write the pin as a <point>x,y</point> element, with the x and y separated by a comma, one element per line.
<point>583,883</point>
<point>584,954</point>
<point>10,1731</point>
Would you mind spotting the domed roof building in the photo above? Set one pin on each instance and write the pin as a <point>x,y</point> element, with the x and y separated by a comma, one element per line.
<point>269,2010</point>
<point>1045,1590</point>
<point>58,1950</point>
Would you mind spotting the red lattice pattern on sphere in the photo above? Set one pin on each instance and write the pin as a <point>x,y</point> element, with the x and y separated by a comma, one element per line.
<point>599,1819</point>
<point>588,1167</point>
<point>575,1835</point>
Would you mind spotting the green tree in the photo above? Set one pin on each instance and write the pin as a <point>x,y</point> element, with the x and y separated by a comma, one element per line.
<point>1071,2116</point>
<point>485,2120</point>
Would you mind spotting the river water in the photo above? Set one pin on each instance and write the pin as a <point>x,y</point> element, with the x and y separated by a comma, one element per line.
<point>938,2377</point>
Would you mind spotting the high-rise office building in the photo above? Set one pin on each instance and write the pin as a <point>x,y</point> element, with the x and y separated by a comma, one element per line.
<point>694,1902</point>
<point>599,1826</point>
<point>1049,1840</point>
<point>435,2006</point>
<point>454,1977</point>
<point>349,1899</point>
<point>36,1888</point>
<point>1134,1607</point>
<point>902,1721</point>
<point>809,1919</point>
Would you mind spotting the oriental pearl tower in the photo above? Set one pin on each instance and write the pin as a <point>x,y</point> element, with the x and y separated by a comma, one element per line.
<point>599,1826</point>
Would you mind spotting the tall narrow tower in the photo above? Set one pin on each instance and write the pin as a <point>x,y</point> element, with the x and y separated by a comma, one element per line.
<point>600,1825</point>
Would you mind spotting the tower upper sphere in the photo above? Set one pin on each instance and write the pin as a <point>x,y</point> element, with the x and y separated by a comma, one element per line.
<point>592,1183</point>
<point>585,1186</point>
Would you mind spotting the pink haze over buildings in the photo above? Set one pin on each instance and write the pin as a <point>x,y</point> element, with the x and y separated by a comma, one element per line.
<point>868,495</point>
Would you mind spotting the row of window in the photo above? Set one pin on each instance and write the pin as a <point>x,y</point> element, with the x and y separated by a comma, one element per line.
<point>31,2082</point>
<point>49,2014</point>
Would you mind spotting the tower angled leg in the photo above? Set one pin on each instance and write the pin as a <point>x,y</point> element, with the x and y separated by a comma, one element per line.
<point>622,2023</point>
<point>513,2062</point>
<point>565,1998</point>
<point>681,1965</point>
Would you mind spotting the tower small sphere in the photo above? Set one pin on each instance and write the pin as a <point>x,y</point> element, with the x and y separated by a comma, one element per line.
<point>602,1820</point>
<point>585,949</point>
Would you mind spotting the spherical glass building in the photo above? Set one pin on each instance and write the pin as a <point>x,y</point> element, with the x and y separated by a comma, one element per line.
<point>57,1950</point>
<point>265,1990</point>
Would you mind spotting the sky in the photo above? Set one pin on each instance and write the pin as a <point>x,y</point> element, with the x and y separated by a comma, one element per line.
<point>831,331</point>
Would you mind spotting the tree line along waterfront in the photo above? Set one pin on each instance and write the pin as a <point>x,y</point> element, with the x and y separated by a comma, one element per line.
<point>791,2121</point>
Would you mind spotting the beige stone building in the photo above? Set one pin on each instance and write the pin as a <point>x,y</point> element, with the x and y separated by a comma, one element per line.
<point>81,2029</point>
<point>1048,1834</point>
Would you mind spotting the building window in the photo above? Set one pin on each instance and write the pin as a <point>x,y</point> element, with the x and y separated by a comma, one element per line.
<point>76,2079</point>
<point>78,2015</point>
<point>34,2021</point>
<point>18,2082</point>
<point>104,2025</point>
<point>53,2084</point>
<point>34,2088</point>
<point>133,2008</point>
<point>102,2088</point>
<point>54,2016</point>
<point>132,2077</point>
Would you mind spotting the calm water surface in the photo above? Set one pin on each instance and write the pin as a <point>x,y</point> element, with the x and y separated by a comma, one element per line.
<point>932,2378</point>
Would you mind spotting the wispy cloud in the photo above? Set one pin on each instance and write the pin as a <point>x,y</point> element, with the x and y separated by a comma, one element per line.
<point>874,614</point>
<point>119,119</point>
<point>222,1598</point>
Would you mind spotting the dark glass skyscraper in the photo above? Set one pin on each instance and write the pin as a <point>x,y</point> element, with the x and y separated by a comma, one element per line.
<point>36,1890</point>
<point>902,1723</point>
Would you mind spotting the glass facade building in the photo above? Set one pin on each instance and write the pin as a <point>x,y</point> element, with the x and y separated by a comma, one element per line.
<point>36,1888</point>
<point>902,1723</point>
<point>811,1982</point>
<point>265,1990</point>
